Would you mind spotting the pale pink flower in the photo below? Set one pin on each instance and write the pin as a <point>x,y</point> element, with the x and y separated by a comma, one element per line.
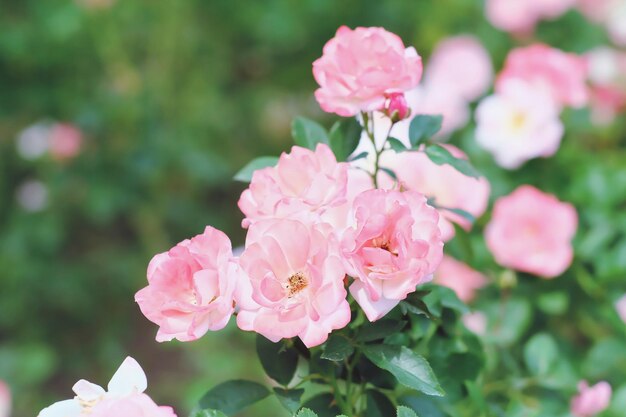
<point>616,23</point>
<point>620,306</point>
<point>596,10</point>
<point>475,322</point>
<point>448,187</point>
<point>296,280</point>
<point>438,99</point>
<point>462,64</point>
<point>65,141</point>
<point>459,277</point>
<point>607,74</point>
<point>5,400</point>
<point>591,400</point>
<point>517,124</point>
<point>191,287</point>
<point>124,397</point>
<point>562,75</point>
<point>360,68</point>
<point>394,246</point>
<point>338,217</point>
<point>521,16</point>
<point>531,231</point>
<point>303,183</point>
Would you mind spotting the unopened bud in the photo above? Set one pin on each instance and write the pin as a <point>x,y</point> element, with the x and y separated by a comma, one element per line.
<point>397,108</point>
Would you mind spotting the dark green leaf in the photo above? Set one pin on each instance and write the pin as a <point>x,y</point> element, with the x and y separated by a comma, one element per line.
<point>396,145</point>
<point>337,348</point>
<point>279,361</point>
<point>389,172</point>
<point>305,412</point>
<point>408,367</point>
<point>405,412</point>
<point>323,404</point>
<point>466,215</point>
<point>509,320</point>
<point>359,156</point>
<point>378,405</point>
<point>379,329</point>
<point>441,297</point>
<point>541,354</point>
<point>440,156</point>
<point>233,396</point>
<point>307,133</point>
<point>245,173</point>
<point>423,127</point>
<point>344,137</point>
<point>289,398</point>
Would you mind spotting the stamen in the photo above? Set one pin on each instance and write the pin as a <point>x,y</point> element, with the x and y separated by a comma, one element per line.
<point>296,283</point>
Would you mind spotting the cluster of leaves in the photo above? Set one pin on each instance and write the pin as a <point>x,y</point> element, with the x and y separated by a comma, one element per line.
<point>368,369</point>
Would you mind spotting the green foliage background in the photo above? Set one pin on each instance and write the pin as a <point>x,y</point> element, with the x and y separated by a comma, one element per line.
<point>174,97</point>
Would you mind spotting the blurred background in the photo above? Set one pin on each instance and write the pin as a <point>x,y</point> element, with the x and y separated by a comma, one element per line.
<point>121,126</point>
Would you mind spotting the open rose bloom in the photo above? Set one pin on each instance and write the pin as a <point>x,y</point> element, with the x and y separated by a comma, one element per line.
<point>531,231</point>
<point>124,397</point>
<point>521,16</point>
<point>591,400</point>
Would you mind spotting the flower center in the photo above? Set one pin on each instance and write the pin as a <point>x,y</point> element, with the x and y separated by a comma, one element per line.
<point>87,405</point>
<point>296,283</point>
<point>384,245</point>
<point>518,120</point>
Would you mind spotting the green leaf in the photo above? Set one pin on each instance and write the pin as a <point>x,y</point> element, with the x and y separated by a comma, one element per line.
<point>378,405</point>
<point>245,173</point>
<point>305,412</point>
<point>279,361</point>
<point>466,215</point>
<point>541,354</point>
<point>379,329</point>
<point>554,303</point>
<point>359,156</point>
<point>396,145</point>
<point>233,396</point>
<point>307,133</point>
<point>440,156</point>
<point>408,367</point>
<point>323,404</point>
<point>337,348</point>
<point>405,412</point>
<point>289,398</point>
<point>344,137</point>
<point>207,413</point>
<point>441,297</point>
<point>389,172</point>
<point>508,320</point>
<point>422,127</point>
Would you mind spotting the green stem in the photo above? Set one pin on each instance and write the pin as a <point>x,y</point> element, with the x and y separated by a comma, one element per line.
<point>338,396</point>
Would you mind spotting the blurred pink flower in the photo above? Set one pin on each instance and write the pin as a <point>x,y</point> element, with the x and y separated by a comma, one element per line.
<point>191,287</point>
<point>303,183</point>
<point>607,75</point>
<point>517,124</point>
<point>620,306</point>
<point>562,75</point>
<point>65,141</point>
<point>609,13</point>
<point>531,231</point>
<point>394,246</point>
<point>447,186</point>
<point>460,278</point>
<point>5,400</point>
<point>360,68</point>
<point>475,322</point>
<point>462,64</point>
<point>124,397</point>
<point>521,16</point>
<point>591,400</point>
<point>438,99</point>
<point>296,282</point>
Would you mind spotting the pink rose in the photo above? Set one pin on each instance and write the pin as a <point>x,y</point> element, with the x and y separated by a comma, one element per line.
<point>396,107</point>
<point>5,400</point>
<point>607,69</point>
<point>447,186</point>
<point>462,64</point>
<point>591,400</point>
<point>561,74</point>
<point>517,124</point>
<point>531,231</point>
<point>296,280</point>
<point>620,306</point>
<point>459,277</point>
<point>123,397</point>
<point>521,16</point>
<point>65,141</point>
<point>438,99</point>
<point>191,287</point>
<point>394,246</point>
<point>304,183</point>
<point>475,322</point>
<point>135,405</point>
<point>360,68</point>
